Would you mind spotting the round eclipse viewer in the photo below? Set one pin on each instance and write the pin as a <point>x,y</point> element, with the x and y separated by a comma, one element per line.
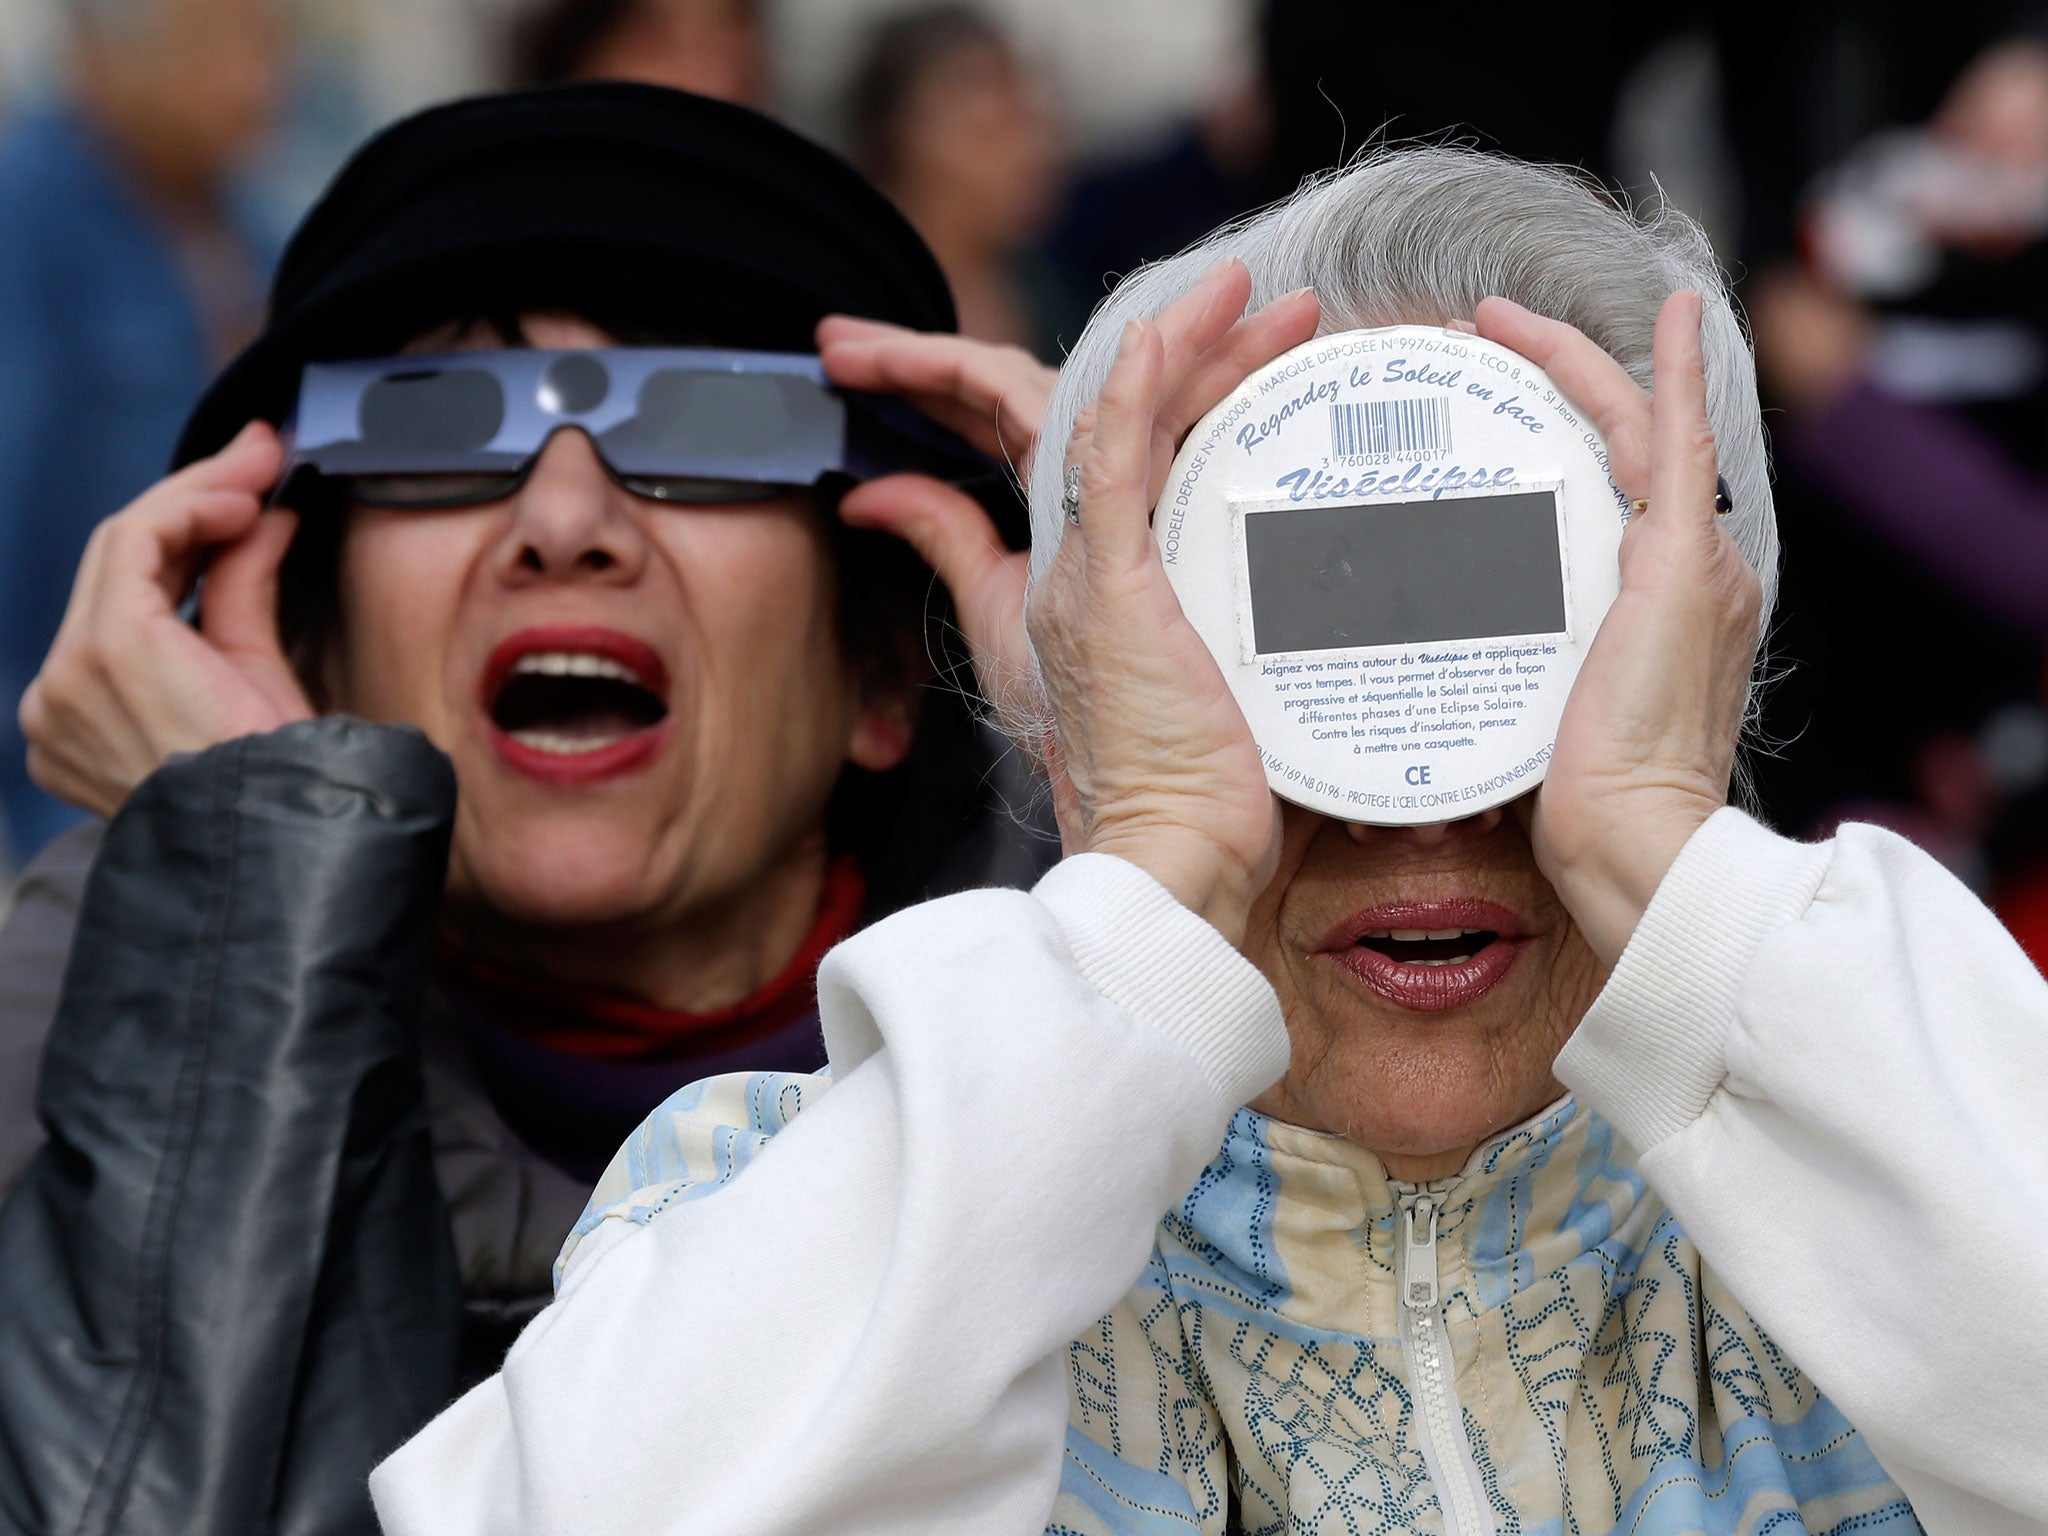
<point>1398,543</point>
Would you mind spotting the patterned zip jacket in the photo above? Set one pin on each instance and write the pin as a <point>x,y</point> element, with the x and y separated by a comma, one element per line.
<point>1531,1347</point>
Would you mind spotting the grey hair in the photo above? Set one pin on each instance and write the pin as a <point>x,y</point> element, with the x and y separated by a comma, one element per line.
<point>1421,235</point>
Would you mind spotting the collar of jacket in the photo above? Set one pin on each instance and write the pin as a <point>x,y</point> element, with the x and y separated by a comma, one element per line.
<point>1304,1223</point>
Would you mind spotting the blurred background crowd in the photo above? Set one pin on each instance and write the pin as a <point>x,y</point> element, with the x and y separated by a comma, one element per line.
<point>1875,174</point>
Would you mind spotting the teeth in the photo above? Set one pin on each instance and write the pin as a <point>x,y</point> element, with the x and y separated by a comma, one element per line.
<point>573,664</point>
<point>1417,935</point>
<point>1453,960</point>
<point>562,746</point>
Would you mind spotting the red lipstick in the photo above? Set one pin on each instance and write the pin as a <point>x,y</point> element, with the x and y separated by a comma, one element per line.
<point>595,652</point>
<point>1426,981</point>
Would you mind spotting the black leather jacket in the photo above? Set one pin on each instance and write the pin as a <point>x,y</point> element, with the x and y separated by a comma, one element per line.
<point>272,1219</point>
<point>227,1284</point>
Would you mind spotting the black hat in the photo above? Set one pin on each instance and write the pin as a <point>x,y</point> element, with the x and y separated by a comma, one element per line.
<point>692,216</point>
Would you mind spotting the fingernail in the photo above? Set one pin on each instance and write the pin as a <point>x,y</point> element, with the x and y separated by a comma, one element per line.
<point>1128,342</point>
<point>1462,325</point>
<point>1501,298</point>
<point>1217,266</point>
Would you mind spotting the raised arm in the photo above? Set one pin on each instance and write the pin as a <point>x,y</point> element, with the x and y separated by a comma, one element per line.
<point>217,1280</point>
<point>866,1329</point>
<point>1832,1058</point>
<point>1835,1062</point>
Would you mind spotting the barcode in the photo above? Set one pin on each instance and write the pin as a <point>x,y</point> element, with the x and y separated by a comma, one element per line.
<point>1377,427</point>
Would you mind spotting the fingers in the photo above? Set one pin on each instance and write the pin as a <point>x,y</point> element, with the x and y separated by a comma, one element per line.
<point>126,682</point>
<point>895,361</point>
<point>1201,317</point>
<point>211,501</point>
<point>1231,348</point>
<point>994,396</point>
<point>250,463</point>
<point>1595,382</point>
<point>856,328</point>
<point>1188,329</point>
<point>1682,481</point>
<point>957,540</point>
<point>238,605</point>
<point>1250,343</point>
<point>208,501</point>
<point>182,526</point>
<point>1116,500</point>
<point>949,530</point>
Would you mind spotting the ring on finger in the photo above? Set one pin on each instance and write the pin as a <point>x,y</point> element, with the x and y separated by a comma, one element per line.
<point>1070,497</point>
<point>1724,502</point>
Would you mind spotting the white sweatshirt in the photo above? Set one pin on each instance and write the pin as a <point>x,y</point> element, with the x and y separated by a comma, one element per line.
<point>1834,1060</point>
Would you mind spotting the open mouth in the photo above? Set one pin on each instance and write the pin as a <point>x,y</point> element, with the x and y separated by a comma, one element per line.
<point>563,701</point>
<point>566,701</point>
<point>1429,956</point>
<point>1440,946</point>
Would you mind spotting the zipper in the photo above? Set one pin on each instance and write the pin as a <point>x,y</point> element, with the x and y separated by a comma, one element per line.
<point>1432,1377</point>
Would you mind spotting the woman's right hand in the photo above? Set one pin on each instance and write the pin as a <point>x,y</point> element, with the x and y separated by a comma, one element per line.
<point>1160,767</point>
<point>127,682</point>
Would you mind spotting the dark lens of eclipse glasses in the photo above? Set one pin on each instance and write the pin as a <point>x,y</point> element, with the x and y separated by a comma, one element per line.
<point>683,418</point>
<point>431,410</point>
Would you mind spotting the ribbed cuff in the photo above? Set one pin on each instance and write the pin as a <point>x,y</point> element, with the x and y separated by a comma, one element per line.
<point>1652,1050</point>
<point>1161,963</point>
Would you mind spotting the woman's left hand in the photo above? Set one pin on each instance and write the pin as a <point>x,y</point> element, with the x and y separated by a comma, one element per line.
<point>1646,748</point>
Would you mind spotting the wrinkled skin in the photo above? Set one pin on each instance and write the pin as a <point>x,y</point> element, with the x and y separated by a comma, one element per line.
<point>1152,760</point>
<point>1420,1089</point>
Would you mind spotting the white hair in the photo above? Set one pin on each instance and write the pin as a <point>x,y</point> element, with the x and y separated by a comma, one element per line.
<point>1421,235</point>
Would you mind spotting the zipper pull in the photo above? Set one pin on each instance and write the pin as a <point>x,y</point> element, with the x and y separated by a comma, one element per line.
<point>1418,1240</point>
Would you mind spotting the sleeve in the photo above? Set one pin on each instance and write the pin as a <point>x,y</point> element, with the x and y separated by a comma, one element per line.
<point>36,924</point>
<point>226,1285</point>
<point>1835,1062</point>
<point>866,1331</point>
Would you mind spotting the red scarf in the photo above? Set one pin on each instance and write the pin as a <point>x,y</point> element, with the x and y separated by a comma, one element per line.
<point>610,1026</point>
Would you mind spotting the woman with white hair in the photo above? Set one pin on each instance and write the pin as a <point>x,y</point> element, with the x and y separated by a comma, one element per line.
<point>1145,1203</point>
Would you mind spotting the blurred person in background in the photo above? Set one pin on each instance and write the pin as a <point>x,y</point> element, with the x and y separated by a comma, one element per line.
<point>948,120</point>
<point>711,47</point>
<point>126,278</point>
<point>1127,209</point>
<point>1910,349</point>
<point>1521,78</point>
<point>338,1052</point>
<point>1835,73</point>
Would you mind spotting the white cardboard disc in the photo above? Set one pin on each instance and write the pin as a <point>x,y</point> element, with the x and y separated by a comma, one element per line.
<point>1376,693</point>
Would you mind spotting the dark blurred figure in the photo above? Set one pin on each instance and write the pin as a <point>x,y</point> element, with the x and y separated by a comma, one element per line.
<point>1528,80</point>
<point>1803,85</point>
<point>711,47</point>
<point>1330,79</point>
<point>1909,348</point>
<point>1124,212</point>
<point>125,278</point>
<point>946,119</point>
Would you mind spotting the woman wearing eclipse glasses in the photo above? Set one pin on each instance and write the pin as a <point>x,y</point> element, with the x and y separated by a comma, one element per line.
<point>562,498</point>
<point>1225,1182</point>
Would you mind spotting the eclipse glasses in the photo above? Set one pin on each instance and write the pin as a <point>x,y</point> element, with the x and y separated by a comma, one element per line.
<point>684,425</point>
